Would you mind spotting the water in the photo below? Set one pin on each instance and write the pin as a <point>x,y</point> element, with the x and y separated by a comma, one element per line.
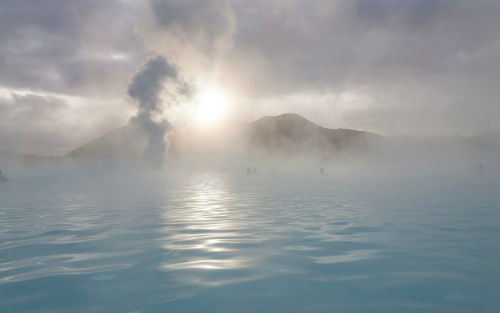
<point>272,242</point>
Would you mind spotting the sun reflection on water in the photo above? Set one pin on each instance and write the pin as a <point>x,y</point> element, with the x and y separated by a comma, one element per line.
<point>203,223</point>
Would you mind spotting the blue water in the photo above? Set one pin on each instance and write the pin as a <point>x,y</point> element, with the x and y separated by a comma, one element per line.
<point>222,241</point>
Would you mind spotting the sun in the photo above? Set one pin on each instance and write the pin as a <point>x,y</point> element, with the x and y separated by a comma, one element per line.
<point>211,106</point>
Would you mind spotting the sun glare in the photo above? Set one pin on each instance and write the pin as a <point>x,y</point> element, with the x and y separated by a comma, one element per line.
<point>211,107</point>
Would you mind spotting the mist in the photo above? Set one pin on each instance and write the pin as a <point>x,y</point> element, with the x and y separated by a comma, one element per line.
<point>250,156</point>
<point>157,149</point>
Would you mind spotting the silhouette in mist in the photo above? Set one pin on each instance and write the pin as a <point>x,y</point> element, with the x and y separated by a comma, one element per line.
<point>2,178</point>
<point>480,168</point>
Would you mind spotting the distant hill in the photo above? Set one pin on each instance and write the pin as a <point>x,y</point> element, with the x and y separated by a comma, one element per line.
<point>117,143</point>
<point>26,159</point>
<point>284,135</point>
<point>292,134</point>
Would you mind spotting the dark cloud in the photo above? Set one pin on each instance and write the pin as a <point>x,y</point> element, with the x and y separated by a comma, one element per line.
<point>324,45</point>
<point>193,32</point>
<point>192,18</point>
<point>409,12</point>
<point>67,46</point>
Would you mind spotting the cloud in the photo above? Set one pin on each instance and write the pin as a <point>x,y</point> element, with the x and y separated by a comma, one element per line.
<point>448,49</point>
<point>48,124</point>
<point>203,22</point>
<point>434,59</point>
<point>195,33</point>
<point>317,45</point>
<point>68,47</point>
<point>27,120</point>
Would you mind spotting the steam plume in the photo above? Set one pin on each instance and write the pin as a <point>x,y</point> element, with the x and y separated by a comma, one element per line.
<point>156,76</point>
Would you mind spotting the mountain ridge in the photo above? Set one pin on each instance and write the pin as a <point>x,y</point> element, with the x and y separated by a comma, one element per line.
<point>285,134</point>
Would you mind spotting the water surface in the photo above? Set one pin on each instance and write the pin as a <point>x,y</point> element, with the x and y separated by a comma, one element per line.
<point>270,242</point>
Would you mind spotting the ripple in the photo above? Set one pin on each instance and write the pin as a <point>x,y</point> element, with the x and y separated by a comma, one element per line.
<point>301,248</point>
<point>221,243</point>
<point>50,271</point>
<point>102,277</point>
<point>352,256</point>
<point>208,264</point>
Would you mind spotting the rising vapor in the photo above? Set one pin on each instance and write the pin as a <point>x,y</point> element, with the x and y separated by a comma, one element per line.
<point>156,76</point>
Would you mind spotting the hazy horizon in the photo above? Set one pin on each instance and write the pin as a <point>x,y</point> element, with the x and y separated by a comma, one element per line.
<point>220,129</point>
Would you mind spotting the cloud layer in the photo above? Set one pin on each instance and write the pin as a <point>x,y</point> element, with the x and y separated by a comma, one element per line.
<point>391,66</point>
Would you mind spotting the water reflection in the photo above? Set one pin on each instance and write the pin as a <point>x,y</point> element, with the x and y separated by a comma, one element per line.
<point>208,264</point>
<point>203,221</point>
<point>351,256</point>
<point>246,243</point>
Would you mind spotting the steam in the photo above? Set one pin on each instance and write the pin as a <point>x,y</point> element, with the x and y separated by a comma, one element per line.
<point>196,34</point>
<point>156,77</point>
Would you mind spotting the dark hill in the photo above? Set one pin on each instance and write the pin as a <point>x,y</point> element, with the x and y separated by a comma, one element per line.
<point>292,134</point>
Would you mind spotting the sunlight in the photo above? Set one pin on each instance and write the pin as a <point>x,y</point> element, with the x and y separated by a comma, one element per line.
<point>211,107</point>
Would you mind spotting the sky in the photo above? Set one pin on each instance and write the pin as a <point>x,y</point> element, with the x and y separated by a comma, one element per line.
<point>394,67</point>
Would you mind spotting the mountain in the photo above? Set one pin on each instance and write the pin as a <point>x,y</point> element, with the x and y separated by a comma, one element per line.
<point>25,159</point>
<point>286,134</point>
<point>117,143</point>
<point>292,134</point>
